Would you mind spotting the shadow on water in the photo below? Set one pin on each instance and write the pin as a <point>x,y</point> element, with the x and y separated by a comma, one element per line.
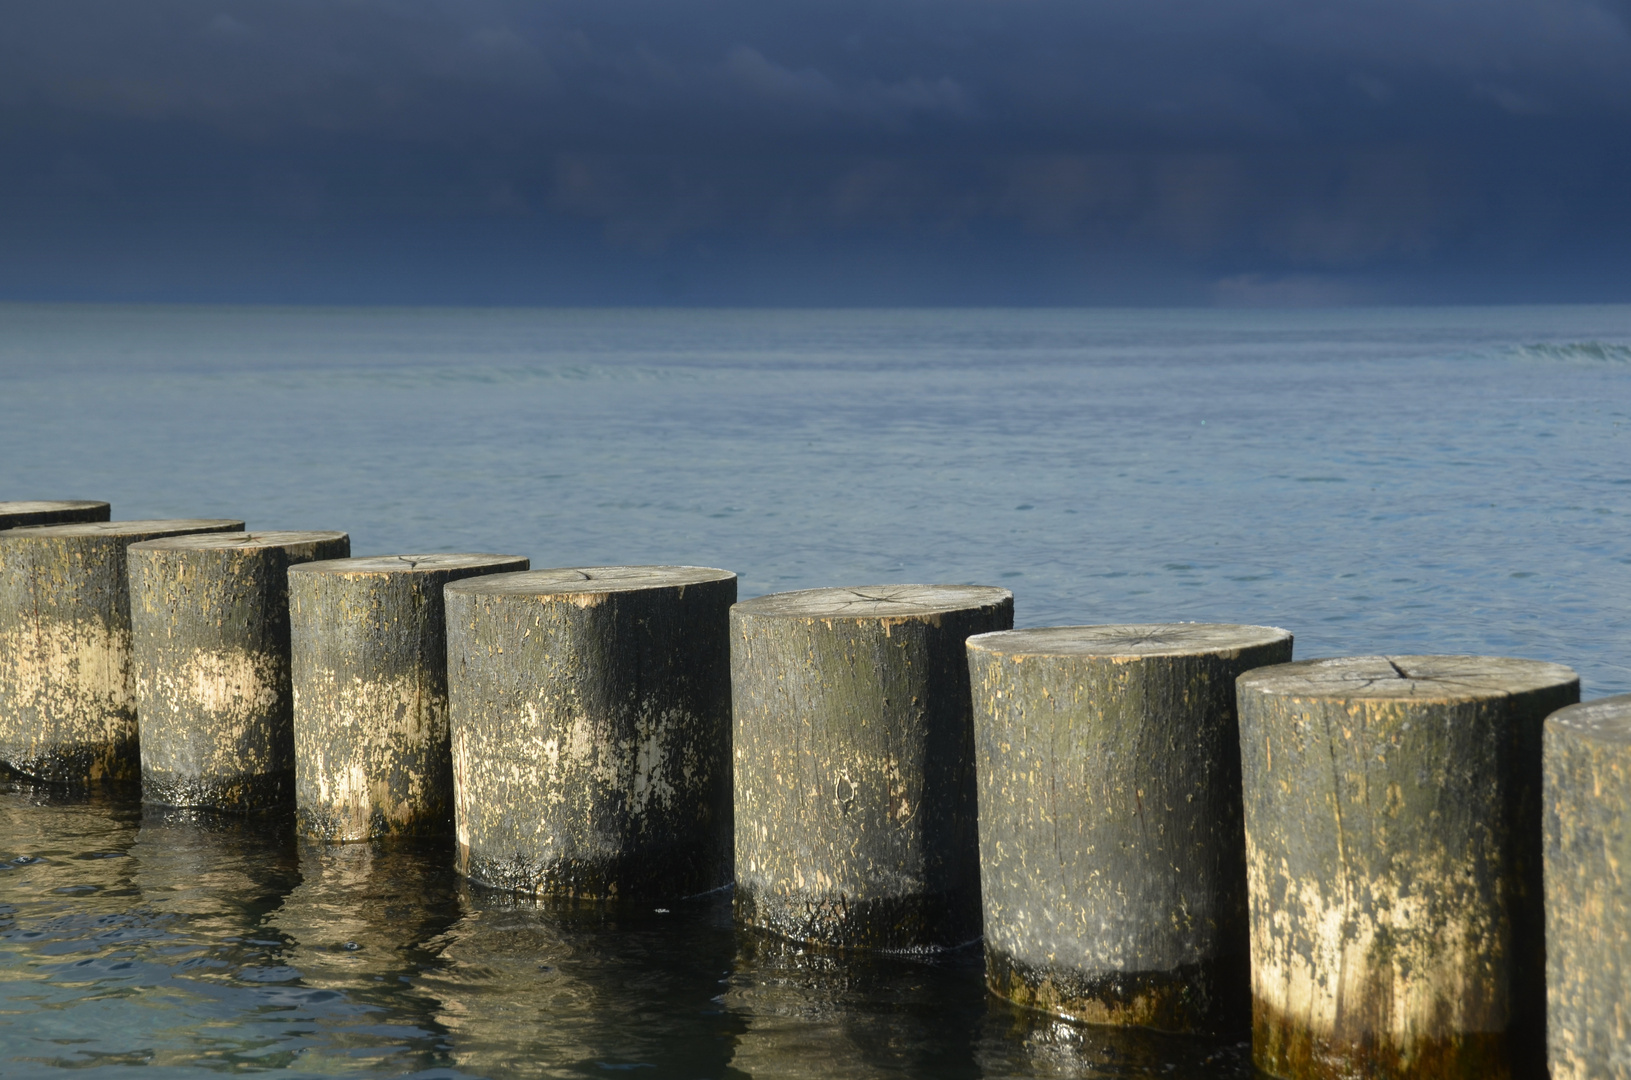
<point>204,945</point>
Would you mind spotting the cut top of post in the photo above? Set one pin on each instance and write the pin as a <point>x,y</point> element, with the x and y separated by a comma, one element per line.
<point>1604,720</point>
<point>22,512</point>
<point>866,602</point>
<point>1419,678</point>
<point>380,565</point>
<point>567,582</point>
<point>121,528</point>
<point>239,541</point>
<point>1129,641</point>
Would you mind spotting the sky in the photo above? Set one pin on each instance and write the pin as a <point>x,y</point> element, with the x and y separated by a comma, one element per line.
<point>816,152</point>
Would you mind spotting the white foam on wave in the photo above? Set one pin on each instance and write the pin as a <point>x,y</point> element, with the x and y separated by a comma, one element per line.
<point>1574,352</point>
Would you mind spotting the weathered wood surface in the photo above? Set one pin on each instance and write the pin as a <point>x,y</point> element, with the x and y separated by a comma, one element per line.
<point>1112,854</point>
<point>1588,890</point>
<point>67,688</point>
<point>1393,838</point>
<point>855,798</point>
<point>18,513</point>
<point>369,668</point>
<point>210,629</point>
<point>590,716</point>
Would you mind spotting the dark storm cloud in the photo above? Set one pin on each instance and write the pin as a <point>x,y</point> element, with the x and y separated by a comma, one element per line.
<point>1254,150</point>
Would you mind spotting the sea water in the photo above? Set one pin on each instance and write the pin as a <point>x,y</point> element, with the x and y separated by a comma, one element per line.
<point>1404,480</point>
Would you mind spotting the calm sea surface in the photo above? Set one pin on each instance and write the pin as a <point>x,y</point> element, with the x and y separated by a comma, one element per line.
<point>1415,480</point>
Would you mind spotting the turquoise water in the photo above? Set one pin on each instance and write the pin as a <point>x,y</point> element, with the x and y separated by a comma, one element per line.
<point>1415,480</point>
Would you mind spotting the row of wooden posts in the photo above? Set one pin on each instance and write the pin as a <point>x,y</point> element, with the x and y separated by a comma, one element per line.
<point>1389,866</point>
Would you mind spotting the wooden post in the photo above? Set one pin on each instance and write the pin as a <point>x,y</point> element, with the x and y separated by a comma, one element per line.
<point>67,691</point>
<point>1588,890</point>
<point>855,800</point>
<point>590,713</point>
<point>210,622</point>
<point>1112,856</point>
<point>15,515</point>
<point>369,669</point>
<point>1393,844</point>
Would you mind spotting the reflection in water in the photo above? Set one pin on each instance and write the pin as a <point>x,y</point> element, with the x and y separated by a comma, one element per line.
<point>129,939</point>
<point>205,885</point>
<point>358,927</point>
<point>73,831</point>
<point>1018,1043</point>
<point>812,1013</point>
<point>534,989</point>
<point>207,945</point>
<point>818,1014</point>
<point>224,875</point>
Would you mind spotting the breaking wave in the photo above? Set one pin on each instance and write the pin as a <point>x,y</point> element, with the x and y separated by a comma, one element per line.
<point>1575,352</point>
